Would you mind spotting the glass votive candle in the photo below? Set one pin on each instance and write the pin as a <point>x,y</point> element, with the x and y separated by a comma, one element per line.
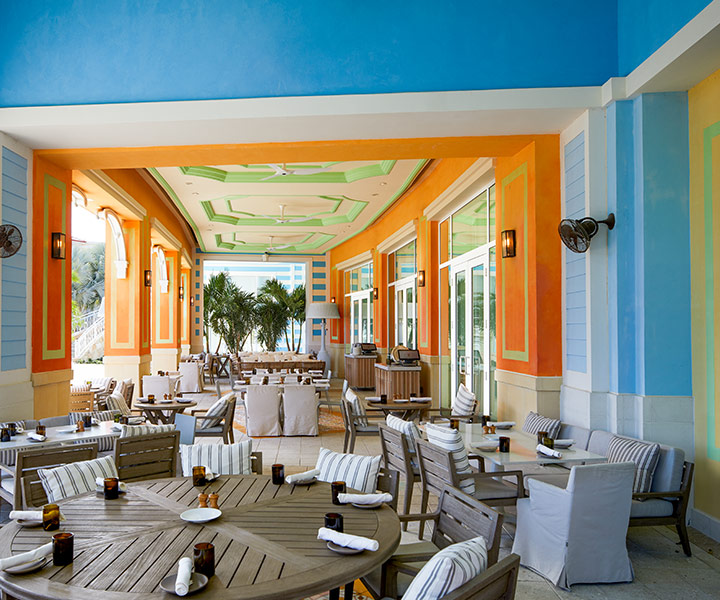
<point>383,398</point>
<point>504,443</point>
<point>454,423</point>
<point>13,429</point>
<point>199,476</point>
<point>337,487</point>
<point>51,517</point>
<point>541,435</point>
<point>151,398</point>
<point>5,434</point>
<point>111,486</point>
<point>334,521</point>
<point>548,442</point>
<point>278,474</point>
<point>87,420</point>
<point>484,420</point>
<point>63,549</point>
<point>204,558</point>
<point>40,429</point>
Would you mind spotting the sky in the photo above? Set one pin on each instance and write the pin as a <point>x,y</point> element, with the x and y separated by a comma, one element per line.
<point>86,227</point>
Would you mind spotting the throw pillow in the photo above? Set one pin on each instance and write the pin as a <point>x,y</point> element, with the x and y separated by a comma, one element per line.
<point>451,440</point>
<point>216,412</point>
<point>127,431</point>
<point>450,568</point>
<point>75,478</point>
<point>408,428</point>
<point>79,388</point>
<point>116,402</point>
<point>464,402</point>
<point>358,472</point>
<point>645,455</point>
<point>222,459</point>
<point>358,407</point>
<point>535,422</point>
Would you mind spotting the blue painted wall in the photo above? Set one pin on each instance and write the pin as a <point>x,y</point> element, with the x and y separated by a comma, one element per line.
<point>100,51</point>
<point>13,331</point>
<point>644,26</point>
<point>575,264</point>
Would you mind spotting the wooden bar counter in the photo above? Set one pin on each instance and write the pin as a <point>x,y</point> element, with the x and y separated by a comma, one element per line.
<point>359,370</point>
<point>396,379</point>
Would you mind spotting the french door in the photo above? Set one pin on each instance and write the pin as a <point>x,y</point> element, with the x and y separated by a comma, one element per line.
<point>361,318</point>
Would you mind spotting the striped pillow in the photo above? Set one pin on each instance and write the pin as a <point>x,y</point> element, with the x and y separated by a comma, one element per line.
<point>116,402</point>
<point>451,440</point>
<point>221,459</point>
<point>408,428</point>
<point>8,457</point>
<point>535,422</point>
<point>216,412</point>
<point>127,431</point>
<point>464,402</point>
<point>79,388</point>
<point>75,478</point>
<point>358,407</point>
<point>645,455</point>
<point>358,472</point>
<point>450,568</point>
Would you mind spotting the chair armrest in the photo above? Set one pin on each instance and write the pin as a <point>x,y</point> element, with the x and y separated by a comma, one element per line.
<point>661,495</point>
<point>480,460</point>
<point>198,410</point>
<point>518,475</point>
<point>418,517</point>
<point>400,559</point>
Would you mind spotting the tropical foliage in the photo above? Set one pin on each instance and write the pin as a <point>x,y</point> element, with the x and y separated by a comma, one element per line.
<point>88,281</point>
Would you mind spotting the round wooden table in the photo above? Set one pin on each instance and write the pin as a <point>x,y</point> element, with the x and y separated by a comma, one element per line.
<point>408,411</point>
<point>156,413</point>
<point>266,544</point>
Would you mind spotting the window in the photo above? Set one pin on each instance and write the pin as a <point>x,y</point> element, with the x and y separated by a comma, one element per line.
<point>402,313</point>
<point>470,227</point>
<point>359,303</point>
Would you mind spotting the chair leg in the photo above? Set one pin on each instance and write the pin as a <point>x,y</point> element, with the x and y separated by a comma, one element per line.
<point>351,446</point>
<point>345,441</point>
<point>684,539</point>
<point>423,510</point>
<point>409,480</point>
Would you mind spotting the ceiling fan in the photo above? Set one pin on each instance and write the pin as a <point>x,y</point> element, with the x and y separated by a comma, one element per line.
<point>272,248</point>
<point>283,219</point>
<point>283,171</point>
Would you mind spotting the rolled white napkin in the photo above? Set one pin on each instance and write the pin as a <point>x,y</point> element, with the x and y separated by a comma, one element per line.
<point>36,436</point>
<point>364,498</point>
<point>25,557</point>
<point>421,399</point>
<point>100,484</point>
<point>302,477</point>
<point>184,575</point>
<point>136,420</point>
<point>548,451</point>
<point>486,446</point>
<point>346,540</point>
<point>503,424</point>
<point>32,516</point>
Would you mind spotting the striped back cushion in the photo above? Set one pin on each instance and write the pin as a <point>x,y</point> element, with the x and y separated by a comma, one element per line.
<point>216,412</point>
<point>358,472</point>
<point>644,454</point>
<point>464,402</point>
<point>408,428</point>
<point>116,402</point>
<point>358,407</point>
<point>75,478</point>
<point>450,568</point>
<point>7,457</point>
<point>221,459</point>
<point>535,422</point>
<point>451,440</point>
<point>79,388</point>
<point>127,431</point>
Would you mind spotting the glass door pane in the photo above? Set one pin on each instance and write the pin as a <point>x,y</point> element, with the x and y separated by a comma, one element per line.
<point>410,305</point>
<point>400,311</point>
<point>477,327</point>
<point>364,320</point>
<point>460,334</point>
<point>492,352</point>
<point>355,319</point>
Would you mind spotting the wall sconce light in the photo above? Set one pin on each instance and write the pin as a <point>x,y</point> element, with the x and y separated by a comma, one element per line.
<point>148,278</point>
<point>181,293</point>
<point>58,245</point>
<point>421,279</point>
<point>507,241</point>
<point>192,300</point>
<point>376,293</point>
<point>332,299</point>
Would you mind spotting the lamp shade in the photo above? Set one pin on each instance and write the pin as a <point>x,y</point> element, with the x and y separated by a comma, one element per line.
<point>322,310</point>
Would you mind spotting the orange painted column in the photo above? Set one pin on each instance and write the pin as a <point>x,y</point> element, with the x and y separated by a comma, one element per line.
<point>185,311</point>
<point>165,318</point>
<point>380,305</point>
<point>51,290</point>
<point>529,327</point>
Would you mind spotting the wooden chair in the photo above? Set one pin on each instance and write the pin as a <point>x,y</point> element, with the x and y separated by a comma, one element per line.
<point>224,429</point>
<point>147,456</point>
<point>29,492</point>
<point>397,455</point>
<point>499,582</point>
<point>459,517</point>
<point>353,427</point>
<point>679,499</point>
<point>81,402</point>
<point>389,482</point>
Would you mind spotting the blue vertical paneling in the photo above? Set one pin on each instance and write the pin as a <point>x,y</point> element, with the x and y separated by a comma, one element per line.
<point>13,331</point>
<point>575,265</point>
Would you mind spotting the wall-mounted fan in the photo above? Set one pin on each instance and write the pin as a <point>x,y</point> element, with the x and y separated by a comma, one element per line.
<point>10,240</point>
<point>282,171</point>
<point>577,233</point>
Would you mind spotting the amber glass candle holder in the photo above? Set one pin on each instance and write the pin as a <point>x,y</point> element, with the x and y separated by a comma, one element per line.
<point>199,476</point>
<point>504,443</point>
<point>454,423</point>
<point>337,487</point>
<point>151,399</point>
<point>278,474</point>
<point>63,549</point>
<point>40,429</point>
<point>87,420</point>
<point>51,517</point>
<point>13,429</point>
<point>5,434</point>
<point>548,442</point>
<point>334,521</point>
<point>383,398</point>
<point>541,435</point>
<point>111,486</point>
<point>204,558</point>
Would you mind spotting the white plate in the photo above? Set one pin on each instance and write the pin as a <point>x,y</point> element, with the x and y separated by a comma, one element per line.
<point>372,398</point>
<point>368,506</point>
<point>197,583</point>
<point>503,427</point>
<point>342,549</point>
<point>306,482</point>
<point>201,515</point>
<point>401,400</point>
<point>423,399</point>
<point>561,446</point>
<point>181,401</point>
<point>35,565</point>
<point>166,401</point>
<point>68,430</point>
<point>491,436</point>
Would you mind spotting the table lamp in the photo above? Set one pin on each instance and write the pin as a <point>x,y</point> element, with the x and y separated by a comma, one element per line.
<point>322,310</point>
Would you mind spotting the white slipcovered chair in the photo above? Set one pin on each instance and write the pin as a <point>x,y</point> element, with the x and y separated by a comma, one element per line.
<point>159,385</point>
<point>190,377</point>
<point>300,410</point>
<point>262,410</point>
<point>577,534</point>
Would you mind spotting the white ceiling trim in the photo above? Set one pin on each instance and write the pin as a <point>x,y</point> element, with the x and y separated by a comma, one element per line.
<point>407,233</point>
<point>355,261</point>
<point>172,243</point>
<point>480,174</point>
<point>113,189</point>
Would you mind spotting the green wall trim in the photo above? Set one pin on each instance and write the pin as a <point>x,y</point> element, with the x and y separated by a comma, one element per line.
<point>48,354</point>
<point>242,247</point>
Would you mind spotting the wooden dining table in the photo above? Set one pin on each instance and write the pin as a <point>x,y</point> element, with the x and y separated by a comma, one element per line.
<point>162,412</point>
<point>266,545</point>
<point>408,410</point>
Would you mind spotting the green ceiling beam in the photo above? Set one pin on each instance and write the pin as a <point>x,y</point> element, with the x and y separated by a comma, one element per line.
<point>319,239</point>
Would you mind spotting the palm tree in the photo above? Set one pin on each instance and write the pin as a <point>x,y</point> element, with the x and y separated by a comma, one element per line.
<point>271,318</point>
<point>297,314</point>
<point>241,318</point>
<point>218,293</point>
<point>291,304</point>
<point>88,282</point>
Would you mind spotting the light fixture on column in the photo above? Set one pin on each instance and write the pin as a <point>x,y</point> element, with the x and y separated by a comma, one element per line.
<point>421,279</point>
<point>181,293</point>
<point>324,311</point>
<point>376,294</point>
<point>332,299</point>
<point>192,300</point>
<point>58,245</point>
<point>507,242</point>
<point>148,278</point>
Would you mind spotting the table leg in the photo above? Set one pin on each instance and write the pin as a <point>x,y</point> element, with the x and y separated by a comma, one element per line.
<point>349,590</point>
<point>150,415</point>
<point>334,594</point>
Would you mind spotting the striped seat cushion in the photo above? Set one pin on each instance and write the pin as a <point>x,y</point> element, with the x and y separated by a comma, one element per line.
<point>216,412</point>
<point>222,459</point>
<point>127,431</point>
<point>450,568</point>
<point>358,407</point>
<point>116,402</point>
<point>358,472</point>
<point>75,478</point>
<point>644,454</point>
<point>104,443</point>
<point>408,428</point>
<point>464,402</point>
<point>79,388</point>
<point>451,440</point>
<point>535,422</point>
